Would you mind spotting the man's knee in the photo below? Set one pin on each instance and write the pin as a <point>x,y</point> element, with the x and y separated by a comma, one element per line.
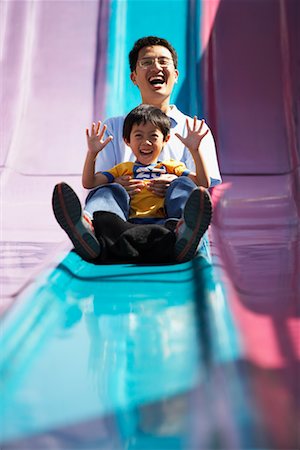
<point>180,186</point>
<point>177,195</point>
<point>118,191</point>
<point>183,182</point>
<point>112,189</point>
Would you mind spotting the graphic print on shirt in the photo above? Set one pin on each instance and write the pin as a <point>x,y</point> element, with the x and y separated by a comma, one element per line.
<point>148,172</point>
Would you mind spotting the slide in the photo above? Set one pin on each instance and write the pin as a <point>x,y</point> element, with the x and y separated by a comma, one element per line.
<point>191,356</point>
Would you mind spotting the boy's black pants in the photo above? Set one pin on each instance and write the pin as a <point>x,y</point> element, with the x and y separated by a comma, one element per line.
<point>126,242</point>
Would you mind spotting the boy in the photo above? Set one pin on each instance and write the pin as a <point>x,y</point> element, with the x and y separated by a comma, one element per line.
<point>146,130</point>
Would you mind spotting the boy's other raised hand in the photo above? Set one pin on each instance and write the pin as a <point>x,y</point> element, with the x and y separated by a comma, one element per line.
<point>194,134</point>
<point>94,138</point>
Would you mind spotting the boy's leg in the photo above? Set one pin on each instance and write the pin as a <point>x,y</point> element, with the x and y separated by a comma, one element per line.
<point>147,243</point>
<point>125,241</point>
<point>193,224</point>
<point>68,213</point>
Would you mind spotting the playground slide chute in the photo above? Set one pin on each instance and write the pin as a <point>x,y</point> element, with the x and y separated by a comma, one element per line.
<point>59,64</point>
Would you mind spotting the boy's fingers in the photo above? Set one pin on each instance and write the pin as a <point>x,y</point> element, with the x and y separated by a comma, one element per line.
<point>180,137</point>
<point>187,125</point>
<point>102,131</point>
<point>201,125</point>
<point>107,140</point>
<point>195,123</point>
<point>98,126</point>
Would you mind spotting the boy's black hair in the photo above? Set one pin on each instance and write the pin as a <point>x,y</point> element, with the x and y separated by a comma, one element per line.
<point>148,41</point>
<point>146,113</point>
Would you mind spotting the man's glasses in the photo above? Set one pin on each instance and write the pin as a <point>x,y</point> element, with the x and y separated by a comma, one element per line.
<point>145,63</point>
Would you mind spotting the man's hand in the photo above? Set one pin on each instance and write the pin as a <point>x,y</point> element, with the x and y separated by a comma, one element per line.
<point>131,185</point>
<point>95,138</point>
<point>160,185</point>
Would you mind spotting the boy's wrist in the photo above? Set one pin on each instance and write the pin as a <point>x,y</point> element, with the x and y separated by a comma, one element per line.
<point>194,150</point>
<point>92,153</point>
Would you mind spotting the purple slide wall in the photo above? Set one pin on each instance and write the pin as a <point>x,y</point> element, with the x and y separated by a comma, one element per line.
<point>252,75</point>
<point>47,94</point>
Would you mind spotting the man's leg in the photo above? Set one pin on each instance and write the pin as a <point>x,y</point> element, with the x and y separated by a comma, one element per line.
<point>111,198</point>
<point>68,213</point>
<point>176,196</point>
<point>204,247</point>
<point>77,224</point>
<point>191,227</point>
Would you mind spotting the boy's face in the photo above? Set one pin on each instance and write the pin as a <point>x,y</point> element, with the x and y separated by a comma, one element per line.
<point>154,81</point>
<point>146,142</point>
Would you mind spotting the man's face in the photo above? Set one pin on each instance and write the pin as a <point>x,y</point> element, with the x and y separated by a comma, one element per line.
<point>154,81</point>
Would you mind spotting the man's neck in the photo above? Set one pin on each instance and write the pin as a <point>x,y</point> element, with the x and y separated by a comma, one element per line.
<point>163,104</point>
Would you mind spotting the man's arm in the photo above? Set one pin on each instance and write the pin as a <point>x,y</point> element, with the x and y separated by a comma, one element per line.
<point>95,143</point>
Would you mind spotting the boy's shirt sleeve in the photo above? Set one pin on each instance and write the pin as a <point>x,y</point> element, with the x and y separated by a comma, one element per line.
<point>177,168</point>
<point>118,171</point>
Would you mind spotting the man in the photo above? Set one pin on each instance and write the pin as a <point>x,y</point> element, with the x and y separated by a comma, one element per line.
<point>156,82</point>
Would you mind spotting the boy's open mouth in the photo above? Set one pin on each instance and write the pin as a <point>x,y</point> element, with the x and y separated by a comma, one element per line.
<point>146,152</point>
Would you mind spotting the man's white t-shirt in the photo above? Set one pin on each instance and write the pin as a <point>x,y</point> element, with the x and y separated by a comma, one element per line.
<point>117,151</point>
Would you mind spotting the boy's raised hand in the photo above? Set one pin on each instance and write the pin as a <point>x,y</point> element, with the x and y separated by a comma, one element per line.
<point>194,135</point>
<point>95,138</point>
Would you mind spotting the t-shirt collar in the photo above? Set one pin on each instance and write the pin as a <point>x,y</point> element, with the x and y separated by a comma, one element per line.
<point>173,113</point>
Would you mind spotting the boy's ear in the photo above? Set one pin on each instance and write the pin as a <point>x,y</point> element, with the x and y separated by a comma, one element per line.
<point>126,141</point>
<point>167,138</point>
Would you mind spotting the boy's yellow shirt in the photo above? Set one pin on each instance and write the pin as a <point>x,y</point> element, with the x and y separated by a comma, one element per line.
<point>145,204</point>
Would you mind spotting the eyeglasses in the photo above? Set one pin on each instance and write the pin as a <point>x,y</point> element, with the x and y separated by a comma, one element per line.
<point>145,63</point>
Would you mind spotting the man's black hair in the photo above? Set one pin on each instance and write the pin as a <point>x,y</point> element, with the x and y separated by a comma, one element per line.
<point>146,113</point>
<point>149,41</point>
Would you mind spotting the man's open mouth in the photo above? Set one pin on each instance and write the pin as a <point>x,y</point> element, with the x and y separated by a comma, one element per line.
<point>157,81</point>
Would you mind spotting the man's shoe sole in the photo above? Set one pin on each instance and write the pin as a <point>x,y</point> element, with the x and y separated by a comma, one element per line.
<point>197,216</point>
<point>68,213</point>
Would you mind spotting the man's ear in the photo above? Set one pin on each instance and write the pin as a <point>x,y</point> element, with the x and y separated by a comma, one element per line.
<point>133,77</point>
<point>177,75</point>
